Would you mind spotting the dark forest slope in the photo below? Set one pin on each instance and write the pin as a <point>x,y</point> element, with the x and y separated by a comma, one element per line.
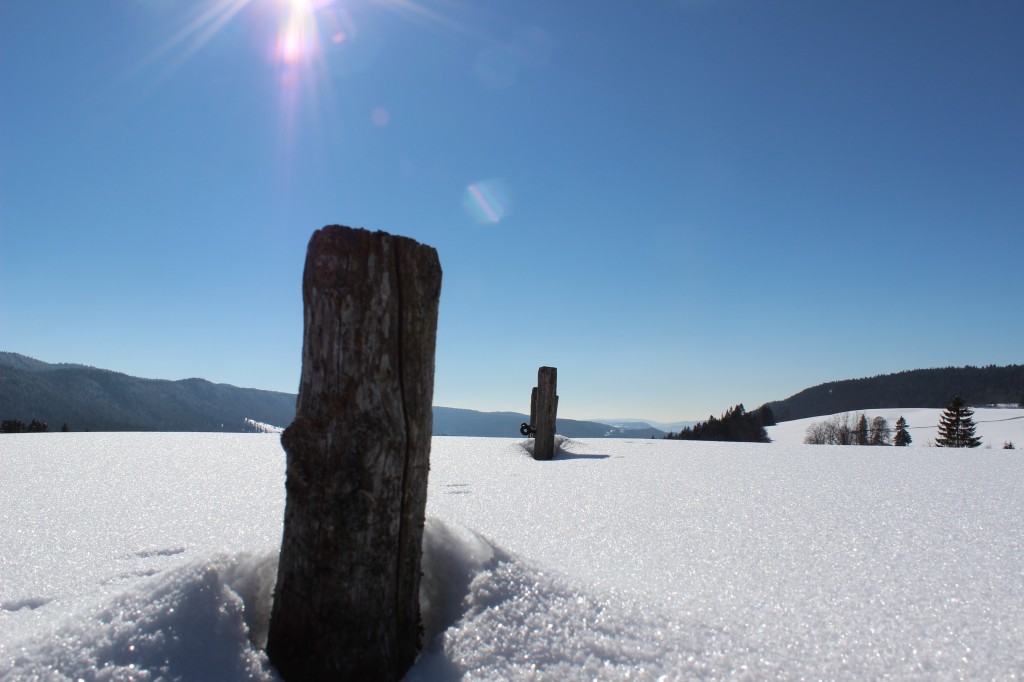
<point>915,388</point>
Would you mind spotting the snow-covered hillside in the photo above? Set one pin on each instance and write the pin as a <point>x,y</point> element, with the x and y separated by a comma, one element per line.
<point>151,557</point>
<point>996,426</point>
<point>261,427</point>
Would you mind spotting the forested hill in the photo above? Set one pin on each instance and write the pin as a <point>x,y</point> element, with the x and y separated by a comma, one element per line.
<point>915,388</point>
<point>87,398</point>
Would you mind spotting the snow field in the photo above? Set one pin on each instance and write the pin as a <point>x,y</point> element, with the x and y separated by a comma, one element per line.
<point>152,557</point>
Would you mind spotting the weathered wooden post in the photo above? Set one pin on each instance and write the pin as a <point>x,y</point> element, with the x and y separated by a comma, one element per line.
<point>533,407</point>
<point>546,412</point>
<point>346,606</point>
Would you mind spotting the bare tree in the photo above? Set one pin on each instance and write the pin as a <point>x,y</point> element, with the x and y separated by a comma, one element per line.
<point>816,434</point>
<point>836,430</point>
<point>881,432</point>
<point>844,429</point>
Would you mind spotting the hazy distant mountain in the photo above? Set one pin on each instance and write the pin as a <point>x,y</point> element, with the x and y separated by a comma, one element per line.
<point>916,388</point>
<point>87,398</point>
<point>451,421</point>
<point>632,423</point>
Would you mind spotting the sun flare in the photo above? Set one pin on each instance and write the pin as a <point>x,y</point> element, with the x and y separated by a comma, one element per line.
<point>298,41</point>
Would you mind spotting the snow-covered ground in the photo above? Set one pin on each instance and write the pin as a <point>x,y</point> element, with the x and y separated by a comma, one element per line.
<point>995,426</point>
<point>152,556</point>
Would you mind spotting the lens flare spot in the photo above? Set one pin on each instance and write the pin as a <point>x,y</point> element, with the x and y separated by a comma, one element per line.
<point>487,201</point>
<point>496,68</point>
<point>499,66</point>
<point>381,117</point>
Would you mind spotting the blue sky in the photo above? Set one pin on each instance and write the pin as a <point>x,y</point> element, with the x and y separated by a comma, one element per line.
<point>681,204</point>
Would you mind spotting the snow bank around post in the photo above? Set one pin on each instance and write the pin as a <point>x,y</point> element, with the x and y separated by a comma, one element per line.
<point>492,616</point>
<point>530,444</point>
<point>208,619</point>
<point>193,622</point>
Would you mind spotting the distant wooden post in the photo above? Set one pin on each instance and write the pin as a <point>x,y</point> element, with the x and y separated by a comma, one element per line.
<point>546,413</point>
<point>346,606</point>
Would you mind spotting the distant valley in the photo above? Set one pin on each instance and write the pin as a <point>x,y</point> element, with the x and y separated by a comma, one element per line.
<point>86,398</point>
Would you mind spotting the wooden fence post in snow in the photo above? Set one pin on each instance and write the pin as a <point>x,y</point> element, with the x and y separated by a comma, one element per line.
<point>533,408</point>
<point>546,413</point>
<point>346,606</point>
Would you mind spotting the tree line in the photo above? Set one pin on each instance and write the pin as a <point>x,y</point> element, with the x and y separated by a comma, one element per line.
<point>18,426</point>
<point>847,429</point>
<point>956,429</point>
<point>735,425</point>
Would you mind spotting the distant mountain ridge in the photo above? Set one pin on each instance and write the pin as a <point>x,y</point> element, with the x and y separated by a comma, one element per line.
<point>932,388</point>
<point>88,398</point>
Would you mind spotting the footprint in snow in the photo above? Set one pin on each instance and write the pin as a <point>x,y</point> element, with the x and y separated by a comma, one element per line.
<point>31,603</point>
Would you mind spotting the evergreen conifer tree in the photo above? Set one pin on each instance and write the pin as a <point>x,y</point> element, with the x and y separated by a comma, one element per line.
<point>12,426</point>
<point>956,426</point>
<point>902,437</point>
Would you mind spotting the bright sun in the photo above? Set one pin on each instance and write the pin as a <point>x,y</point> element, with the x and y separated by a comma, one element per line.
<point>297,37</point>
